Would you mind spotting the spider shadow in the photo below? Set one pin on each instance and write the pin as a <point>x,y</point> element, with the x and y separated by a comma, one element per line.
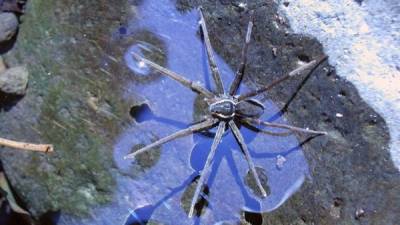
<point>142,113</point>
<point>142,215</point>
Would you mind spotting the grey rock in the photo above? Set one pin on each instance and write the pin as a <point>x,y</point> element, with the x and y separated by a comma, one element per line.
<point>14,80</point>
<point>8,26</point>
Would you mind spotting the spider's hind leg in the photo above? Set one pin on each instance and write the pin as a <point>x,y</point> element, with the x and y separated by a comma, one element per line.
<point>243,146</point>
<point>284,126</point>
<point>207,166</point>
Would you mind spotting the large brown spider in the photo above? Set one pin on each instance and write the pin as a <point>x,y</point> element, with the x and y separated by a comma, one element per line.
<point>225,108</point>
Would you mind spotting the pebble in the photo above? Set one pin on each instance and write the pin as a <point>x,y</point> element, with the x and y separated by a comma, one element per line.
<point>359,213</point>
<point>280,161</point>
<point>2,65</point>
<point>14,80</point>
<point>8,26</point>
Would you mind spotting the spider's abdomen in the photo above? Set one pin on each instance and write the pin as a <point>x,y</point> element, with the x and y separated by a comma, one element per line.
<point>249,108</point>
<point>224,109</point>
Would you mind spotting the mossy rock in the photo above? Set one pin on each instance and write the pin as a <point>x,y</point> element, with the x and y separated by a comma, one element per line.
<point>72,102</point>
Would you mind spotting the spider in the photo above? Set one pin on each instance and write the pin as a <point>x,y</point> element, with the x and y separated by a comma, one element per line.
<point>226,109</point>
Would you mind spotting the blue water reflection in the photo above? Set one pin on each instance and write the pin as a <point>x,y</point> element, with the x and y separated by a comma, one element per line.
<point>157,192</point>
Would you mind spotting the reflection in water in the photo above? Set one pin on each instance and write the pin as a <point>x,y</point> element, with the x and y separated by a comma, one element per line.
<point>140,68</point>
<point>158,192</point>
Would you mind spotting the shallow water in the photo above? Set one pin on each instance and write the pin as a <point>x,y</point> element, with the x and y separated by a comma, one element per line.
<point>157,185</point>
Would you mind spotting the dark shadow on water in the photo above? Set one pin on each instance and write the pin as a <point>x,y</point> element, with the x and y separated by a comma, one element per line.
<point>142,113</point>
<point>143,214</point>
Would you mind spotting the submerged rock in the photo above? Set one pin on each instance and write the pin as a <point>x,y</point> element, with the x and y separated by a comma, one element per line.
<point>8,26</point>
<point>14,80</point>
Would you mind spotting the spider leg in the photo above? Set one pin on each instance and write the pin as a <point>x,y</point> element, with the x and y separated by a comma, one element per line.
<point>298,71</point>
<point>207,166</point>
<point>240,72</point>
<point>185,82</point>
<point>250,126</point>
<point>291,128</point>
<point>243,146</point>
<point>210,54</point>
<point>181,133</point>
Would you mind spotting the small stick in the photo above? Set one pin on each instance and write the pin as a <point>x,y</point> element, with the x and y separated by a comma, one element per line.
<point>26,146</point>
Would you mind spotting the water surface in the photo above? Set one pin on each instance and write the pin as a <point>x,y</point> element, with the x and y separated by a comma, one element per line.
<point>168,107</point>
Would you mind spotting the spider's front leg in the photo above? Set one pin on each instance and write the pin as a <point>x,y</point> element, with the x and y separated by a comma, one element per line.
<point>240,72</point>
<point>185,82</point>
<point>210,54</point>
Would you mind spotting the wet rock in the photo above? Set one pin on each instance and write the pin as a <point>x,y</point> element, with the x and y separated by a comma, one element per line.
<point>14,80</point>
<point>353,160</point>
<point>8,26</point>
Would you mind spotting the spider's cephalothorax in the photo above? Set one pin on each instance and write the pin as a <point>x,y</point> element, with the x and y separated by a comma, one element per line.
<point>226,108</point>
<point>223,108</point>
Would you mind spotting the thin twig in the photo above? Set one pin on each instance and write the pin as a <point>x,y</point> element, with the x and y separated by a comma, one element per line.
<point>26,146</point>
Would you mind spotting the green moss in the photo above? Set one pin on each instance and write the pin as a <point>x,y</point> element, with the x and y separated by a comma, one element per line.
<point>64,48</point>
